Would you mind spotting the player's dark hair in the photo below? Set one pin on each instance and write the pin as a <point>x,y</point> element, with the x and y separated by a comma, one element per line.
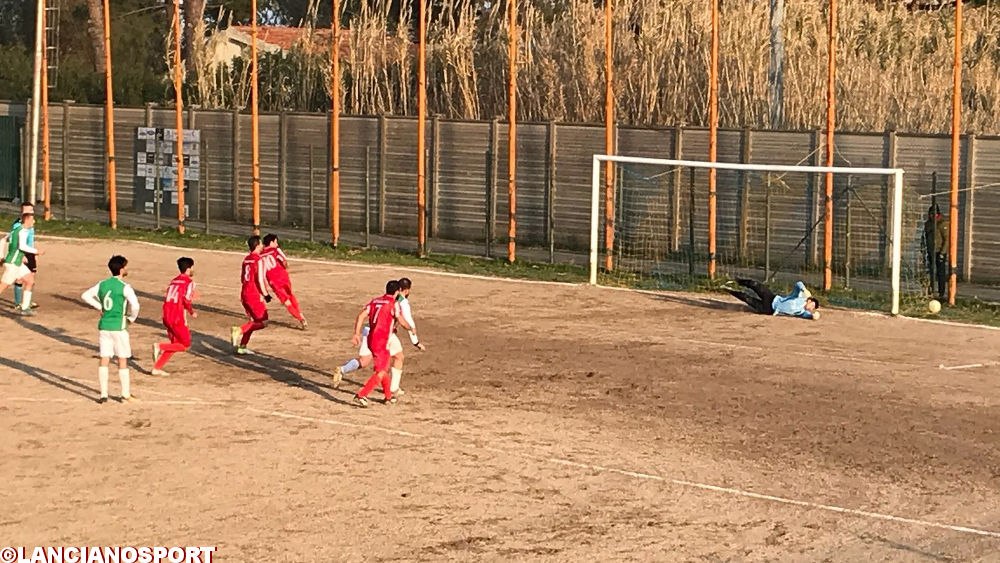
<point>405,283</point>
<point>183,264</point>
<point>27,204</point>
<point>815,301</point>
<point>269,238</point>
<point>253,241</point>
<point>116,264</point>
<point>391,287</point>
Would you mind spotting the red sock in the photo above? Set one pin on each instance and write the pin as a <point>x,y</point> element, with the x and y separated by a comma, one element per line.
<point>168,350</point>
<point>254,326</point>
<point>386,383</point>
<point>246,326</point>
<point>369,385</point>
<point>293,307</point>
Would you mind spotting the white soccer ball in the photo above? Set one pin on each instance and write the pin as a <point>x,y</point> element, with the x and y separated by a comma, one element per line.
<point>934,307</point>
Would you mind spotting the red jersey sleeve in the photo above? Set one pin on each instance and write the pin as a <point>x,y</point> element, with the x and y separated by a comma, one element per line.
<point>259,276</point>
<point>188,297</point>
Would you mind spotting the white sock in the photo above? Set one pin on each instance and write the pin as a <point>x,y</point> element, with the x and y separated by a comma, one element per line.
<point>123,376</point>
<point>102,376</point>
<point>26,300</point>
<point>350,366</point>
<point>397,374</point>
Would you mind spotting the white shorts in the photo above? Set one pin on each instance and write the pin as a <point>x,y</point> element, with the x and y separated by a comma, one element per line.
<point>394,345</point>
<point>12,273</point>
<point>115,343</point>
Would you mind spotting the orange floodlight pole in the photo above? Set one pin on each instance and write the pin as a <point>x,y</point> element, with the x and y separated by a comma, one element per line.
<point>831,104</point>
<point>512,135</point>
<point>956,123</point>
<point>335,127</point>
<point>46,184</point>
<point>421,129</point>
<point>255,121</point>
<point>609,139</point>
<point>179,111</point>
<point>713,137</point>
<point>109,119</point>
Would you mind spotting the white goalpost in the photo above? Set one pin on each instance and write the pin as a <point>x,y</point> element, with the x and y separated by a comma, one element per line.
<point>763,210</point>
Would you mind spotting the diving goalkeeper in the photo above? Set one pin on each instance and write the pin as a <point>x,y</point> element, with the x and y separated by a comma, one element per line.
<point>764,301</point>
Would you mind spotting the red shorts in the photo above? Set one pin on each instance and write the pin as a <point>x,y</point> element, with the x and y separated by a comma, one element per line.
<point>282,291</point>
<point>255,308</point>
<point>178,332</point>
<point>380,355</point>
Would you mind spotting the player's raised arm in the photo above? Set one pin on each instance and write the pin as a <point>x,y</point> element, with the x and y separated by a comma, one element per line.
<point>133,303</point>
<point>91,297</point>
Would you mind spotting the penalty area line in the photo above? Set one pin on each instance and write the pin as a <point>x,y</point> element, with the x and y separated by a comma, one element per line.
<point>645,476</point>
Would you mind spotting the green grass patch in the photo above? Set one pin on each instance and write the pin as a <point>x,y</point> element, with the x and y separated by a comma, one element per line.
<point>972,311</point>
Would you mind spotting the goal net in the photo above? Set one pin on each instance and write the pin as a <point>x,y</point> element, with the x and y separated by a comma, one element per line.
<point>770,225</point>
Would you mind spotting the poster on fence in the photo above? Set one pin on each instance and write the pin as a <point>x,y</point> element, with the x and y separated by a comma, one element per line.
<point>156,171</point>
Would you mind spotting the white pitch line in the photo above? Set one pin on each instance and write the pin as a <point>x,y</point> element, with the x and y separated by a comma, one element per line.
<point>647,476</point>
<point>139,402</point>
<point>967,366</point>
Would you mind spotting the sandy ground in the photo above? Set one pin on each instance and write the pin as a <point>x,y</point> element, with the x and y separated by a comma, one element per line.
<point>545,422</point>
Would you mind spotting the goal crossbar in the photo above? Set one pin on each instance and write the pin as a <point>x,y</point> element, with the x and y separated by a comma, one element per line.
<point>897,199</point>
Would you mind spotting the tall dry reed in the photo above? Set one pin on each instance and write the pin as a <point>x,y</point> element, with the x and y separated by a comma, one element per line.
<point>894,65</point>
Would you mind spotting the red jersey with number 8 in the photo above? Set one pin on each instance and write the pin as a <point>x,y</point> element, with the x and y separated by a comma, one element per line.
<point>252,277</point>
<point>178,300</point>
<point>381,321</point>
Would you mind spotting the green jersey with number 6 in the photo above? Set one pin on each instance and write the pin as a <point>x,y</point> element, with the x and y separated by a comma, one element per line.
<point>111,293</point>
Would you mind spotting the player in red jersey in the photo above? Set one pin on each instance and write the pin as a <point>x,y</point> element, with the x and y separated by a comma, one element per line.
<point>275,265</point>
<point>382,314</point>
<point>176,306</point>
<point>254,295</point>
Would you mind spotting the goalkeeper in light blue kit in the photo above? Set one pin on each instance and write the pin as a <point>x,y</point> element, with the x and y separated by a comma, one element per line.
<point>800,303</point>
<point>114,299</point>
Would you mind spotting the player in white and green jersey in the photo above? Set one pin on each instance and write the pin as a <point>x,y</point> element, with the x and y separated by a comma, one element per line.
<point>15,249</point>
<point>115,299</point>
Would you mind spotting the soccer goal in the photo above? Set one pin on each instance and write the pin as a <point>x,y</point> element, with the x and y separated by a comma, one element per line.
<point>770,224</point>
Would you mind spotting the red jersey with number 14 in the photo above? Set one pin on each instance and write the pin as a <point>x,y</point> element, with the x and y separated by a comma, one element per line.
<point>275,265</point>
<point>178,300</point>
<point>381,321</point>
<point>252,278</point>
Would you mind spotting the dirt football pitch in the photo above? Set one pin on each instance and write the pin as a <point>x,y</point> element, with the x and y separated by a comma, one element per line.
<point>544,423</point>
